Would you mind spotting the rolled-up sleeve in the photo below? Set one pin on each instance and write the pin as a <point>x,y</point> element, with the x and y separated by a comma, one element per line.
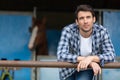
<point>108,53</point>
<point>105,58</point>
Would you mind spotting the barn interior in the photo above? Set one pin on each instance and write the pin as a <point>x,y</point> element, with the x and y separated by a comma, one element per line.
<point>54,10</point>
<point>58,13</point>
<point>54,5</point>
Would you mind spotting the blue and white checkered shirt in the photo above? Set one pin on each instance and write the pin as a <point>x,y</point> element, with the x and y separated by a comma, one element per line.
<point>69,47</point>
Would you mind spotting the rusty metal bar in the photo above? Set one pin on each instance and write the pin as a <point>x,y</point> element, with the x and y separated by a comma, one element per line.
<point>50,64</point>
<point>36,64</point>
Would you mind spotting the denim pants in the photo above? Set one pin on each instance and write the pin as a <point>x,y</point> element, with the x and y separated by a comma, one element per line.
<point>82,75</point>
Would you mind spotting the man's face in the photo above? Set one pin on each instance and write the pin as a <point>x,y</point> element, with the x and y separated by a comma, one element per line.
<point>85,21</point>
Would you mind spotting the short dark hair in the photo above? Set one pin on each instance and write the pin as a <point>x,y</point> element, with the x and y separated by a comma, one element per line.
<point>84,8</point>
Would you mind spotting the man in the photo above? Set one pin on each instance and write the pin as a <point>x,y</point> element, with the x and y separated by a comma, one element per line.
<point>85,43</point>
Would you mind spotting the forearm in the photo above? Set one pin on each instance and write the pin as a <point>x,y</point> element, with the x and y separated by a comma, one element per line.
<point>79,58</point>
<point>92,58</point>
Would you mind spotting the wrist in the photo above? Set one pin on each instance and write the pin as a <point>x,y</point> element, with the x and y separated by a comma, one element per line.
<point>79,58</point>
<point>91,58</point>
<point>94,58</point>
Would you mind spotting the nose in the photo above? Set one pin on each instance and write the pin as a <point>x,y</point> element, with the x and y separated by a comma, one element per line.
<point>85,20</point>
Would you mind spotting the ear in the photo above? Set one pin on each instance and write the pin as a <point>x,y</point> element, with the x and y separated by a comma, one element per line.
<point>94,19</point>
<point>76,21</point>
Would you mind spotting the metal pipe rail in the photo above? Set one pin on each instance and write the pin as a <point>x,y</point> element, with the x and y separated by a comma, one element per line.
<point>50,64</point>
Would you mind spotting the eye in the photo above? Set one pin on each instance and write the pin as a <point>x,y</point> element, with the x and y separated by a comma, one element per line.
<point>81,18</point>
<point>88,17</point>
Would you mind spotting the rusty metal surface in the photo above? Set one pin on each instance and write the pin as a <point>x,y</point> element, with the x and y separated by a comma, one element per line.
<point>50,64</point>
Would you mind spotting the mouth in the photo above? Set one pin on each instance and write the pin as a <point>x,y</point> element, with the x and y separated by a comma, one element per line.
<point>86,26</point>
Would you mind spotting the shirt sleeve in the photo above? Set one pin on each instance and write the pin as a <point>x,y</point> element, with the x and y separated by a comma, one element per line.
<point>108,53</point>
<point>63,51</point>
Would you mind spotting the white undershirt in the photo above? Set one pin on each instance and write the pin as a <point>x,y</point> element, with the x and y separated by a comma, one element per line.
<point>85,46</point>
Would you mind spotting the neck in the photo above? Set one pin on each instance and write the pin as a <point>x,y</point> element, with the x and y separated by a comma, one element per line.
<point>86,34</point>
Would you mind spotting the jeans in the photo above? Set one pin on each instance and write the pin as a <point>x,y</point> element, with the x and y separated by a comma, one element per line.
<point>82,75</point>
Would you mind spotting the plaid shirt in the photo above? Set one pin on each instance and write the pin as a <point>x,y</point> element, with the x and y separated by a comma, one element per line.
<point>69,47</point>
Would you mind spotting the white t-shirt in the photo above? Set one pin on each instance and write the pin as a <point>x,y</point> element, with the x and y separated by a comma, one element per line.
<point>85,46</point>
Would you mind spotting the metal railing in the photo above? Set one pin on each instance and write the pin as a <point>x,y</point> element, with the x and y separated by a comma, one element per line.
<point>50,64</point>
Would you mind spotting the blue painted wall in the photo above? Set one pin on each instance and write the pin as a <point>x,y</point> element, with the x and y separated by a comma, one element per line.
<point>14,37</point>
<point>111,20</point>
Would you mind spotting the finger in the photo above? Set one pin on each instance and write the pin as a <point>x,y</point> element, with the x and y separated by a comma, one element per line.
<point>100,71</point>
<point>81,66</point>
<point>78,67</point>
<point>95,71</point>
<point>84,66</point>
<point>83,63</point>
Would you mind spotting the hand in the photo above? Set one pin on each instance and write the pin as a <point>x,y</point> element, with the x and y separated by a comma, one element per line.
<point>96,68</point>
<point>83,64</point>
